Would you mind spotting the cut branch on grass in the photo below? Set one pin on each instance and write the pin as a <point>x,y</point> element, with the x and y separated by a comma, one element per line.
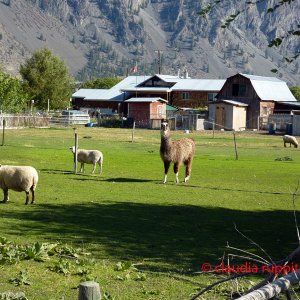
<point>273,289</point>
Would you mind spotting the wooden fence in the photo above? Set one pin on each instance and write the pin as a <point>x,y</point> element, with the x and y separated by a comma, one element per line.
<point>19,121</point>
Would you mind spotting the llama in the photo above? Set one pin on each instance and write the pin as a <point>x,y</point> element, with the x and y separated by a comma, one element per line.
<point>178,152</point>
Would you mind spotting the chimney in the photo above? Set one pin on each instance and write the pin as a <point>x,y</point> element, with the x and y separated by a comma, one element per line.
<point>178,74</point>
<point>185,73</point>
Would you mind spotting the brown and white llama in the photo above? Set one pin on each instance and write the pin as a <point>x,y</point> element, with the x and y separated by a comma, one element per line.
<point>178,152</point>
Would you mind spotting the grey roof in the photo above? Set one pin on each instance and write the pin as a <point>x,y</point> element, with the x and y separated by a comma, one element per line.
<point>270,88</point>
<point>198,84</point>
<point>147,89</point>
<point>231,102</point>
<point>146,100</point>
<point>181,84</point>
<point>235,103</point>
<point>113,94</point>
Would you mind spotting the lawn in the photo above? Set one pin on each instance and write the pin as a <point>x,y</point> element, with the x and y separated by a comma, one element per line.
<point>138,238</point>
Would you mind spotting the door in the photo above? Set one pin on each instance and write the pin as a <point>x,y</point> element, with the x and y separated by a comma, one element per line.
<point>220,117</point>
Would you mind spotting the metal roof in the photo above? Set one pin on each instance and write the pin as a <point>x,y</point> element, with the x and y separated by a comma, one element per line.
<point>113,94</point>
<point>231,102</point>
<point>236,103</point>
<point>146,100</point>
<point>198,84</point>
<point>270,88</point>
<point>147,89</point>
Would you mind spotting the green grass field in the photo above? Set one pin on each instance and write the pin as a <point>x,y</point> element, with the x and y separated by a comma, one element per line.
<point>126,216</point>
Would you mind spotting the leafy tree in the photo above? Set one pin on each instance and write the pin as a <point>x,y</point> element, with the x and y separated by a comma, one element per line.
<point>101,83</point>
<point>46,79</point>
<point>12,95</point>
<point>296,92</point>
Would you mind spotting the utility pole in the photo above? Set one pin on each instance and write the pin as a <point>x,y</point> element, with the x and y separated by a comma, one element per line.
<point>159,59</point>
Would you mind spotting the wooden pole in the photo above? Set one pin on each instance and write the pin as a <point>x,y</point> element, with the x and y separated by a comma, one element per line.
<point>133,127</point>
<point>235,147</point>
<point>76,148</point>
<point>213,129</point>
<point>89,290</point>
<point>3,131</point>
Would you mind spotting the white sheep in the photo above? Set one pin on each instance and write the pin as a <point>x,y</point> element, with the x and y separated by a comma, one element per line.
<point>19,179</point>
<point>290,140</point>
<point>89,157</point>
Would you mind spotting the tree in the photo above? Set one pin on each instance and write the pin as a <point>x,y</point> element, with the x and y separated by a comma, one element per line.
<point>47,79</point>
<point>12,95</point>
<point>101,83</point>
<point>296,92</point>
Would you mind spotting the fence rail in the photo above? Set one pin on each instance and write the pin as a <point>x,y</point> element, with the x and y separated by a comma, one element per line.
<point>18,121</point>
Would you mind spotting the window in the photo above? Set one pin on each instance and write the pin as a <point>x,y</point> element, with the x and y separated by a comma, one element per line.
<point>159,110</point>
<point>211,96</point>
<point>238,90</point>
<point>185,96</point>
<point>264,110</point>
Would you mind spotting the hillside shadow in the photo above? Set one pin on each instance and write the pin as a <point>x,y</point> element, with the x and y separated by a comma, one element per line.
<point>177,236</point>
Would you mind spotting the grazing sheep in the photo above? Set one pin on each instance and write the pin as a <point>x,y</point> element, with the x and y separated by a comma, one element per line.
<point>291,140</point>
<point>178,152</point>
<point>19,179</point>
<point>88,157</point>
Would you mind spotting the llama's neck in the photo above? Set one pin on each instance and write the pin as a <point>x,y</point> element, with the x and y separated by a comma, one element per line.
<point>166,141</point>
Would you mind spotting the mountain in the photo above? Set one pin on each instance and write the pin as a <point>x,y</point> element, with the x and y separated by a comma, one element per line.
<point>99,38</point>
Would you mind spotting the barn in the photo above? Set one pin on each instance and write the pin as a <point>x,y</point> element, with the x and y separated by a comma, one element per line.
<point>261,94</point>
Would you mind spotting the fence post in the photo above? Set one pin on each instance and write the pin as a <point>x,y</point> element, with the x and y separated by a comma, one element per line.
<point>3,131</point>
<point>89,290</point>
<point>133,127</point>
<point>235,147</point>
<point>76,148</point>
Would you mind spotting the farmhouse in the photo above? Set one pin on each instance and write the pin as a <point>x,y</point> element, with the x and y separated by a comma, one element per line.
<point>177,91</point>
<point>262,95</point>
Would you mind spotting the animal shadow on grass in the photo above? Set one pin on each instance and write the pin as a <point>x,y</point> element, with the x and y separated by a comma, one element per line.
<point>56,171</point>
<point>118,179</point>
<point>177,238</point>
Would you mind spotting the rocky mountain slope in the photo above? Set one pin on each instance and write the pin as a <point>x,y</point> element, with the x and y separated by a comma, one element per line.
<point>100,38</point>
